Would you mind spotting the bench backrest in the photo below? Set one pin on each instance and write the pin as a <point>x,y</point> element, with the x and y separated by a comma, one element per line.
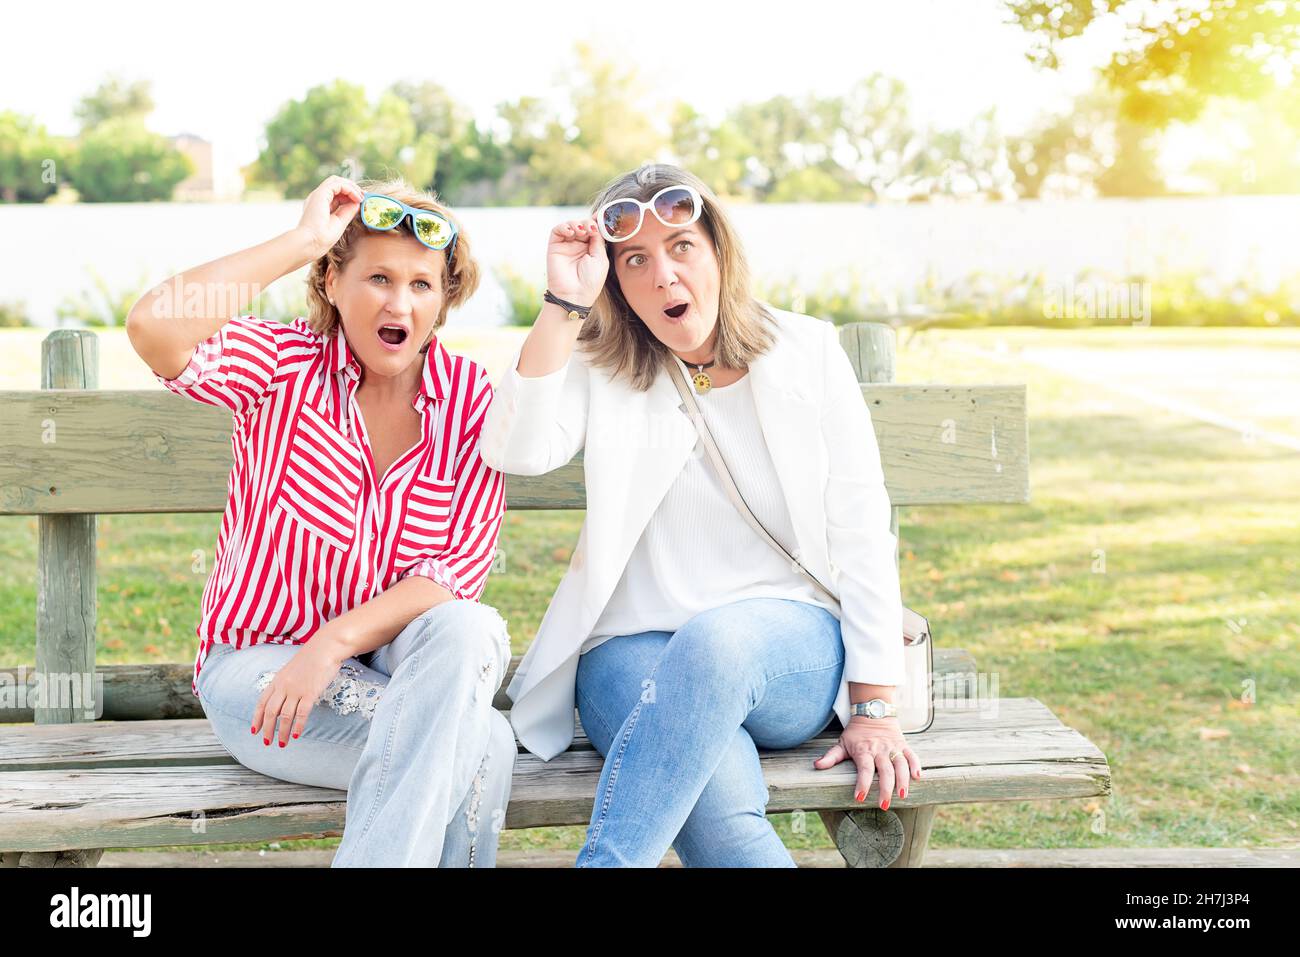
<point>69,452</point>
<point>75,451</point>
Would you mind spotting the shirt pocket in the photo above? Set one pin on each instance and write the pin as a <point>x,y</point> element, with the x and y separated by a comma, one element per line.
<point>321,485</point>
<point>427,525</point>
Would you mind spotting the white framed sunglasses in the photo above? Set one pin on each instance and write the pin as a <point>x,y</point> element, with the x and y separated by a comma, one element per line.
<point>621,219</point>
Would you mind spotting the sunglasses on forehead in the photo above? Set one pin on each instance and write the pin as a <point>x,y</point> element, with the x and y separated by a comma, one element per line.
<point>621,219</point>
<point>382,213</point>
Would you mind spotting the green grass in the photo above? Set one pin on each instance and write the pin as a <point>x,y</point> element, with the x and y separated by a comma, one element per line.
<point>1147,656</point>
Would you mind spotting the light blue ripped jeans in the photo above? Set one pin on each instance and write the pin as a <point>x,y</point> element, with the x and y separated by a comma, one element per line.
<point>679,717</point>
<point>408,731</point>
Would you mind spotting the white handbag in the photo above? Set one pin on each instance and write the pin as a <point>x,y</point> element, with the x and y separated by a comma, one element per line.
<point>915,698</point>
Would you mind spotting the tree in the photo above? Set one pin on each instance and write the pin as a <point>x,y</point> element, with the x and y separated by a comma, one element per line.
<point>862,145</point>
<point>789,141</point>
<point>716,154</point>
<point>1091,149</point>
<point>30,159</point>
<point>1132,169</point>
<point>448,141</point>
<point>970,162</point>
<point>308,139</point>
<point>115,98</point>
<point>480,158</point>
<point>603,132</point>
<point>1176,54</point>
<point>439,124</point>
<point>883,149</point>
<point>387,145</point>
<point>1257,145</point>
<point>1058,157</point>
<point>121,161</point>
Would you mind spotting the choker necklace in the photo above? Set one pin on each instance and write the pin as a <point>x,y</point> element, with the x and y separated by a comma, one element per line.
<point>701,378</point>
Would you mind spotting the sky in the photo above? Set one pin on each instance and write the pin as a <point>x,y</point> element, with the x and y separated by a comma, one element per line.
<point>221,70</point>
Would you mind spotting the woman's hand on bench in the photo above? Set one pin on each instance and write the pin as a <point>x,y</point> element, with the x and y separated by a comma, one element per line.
<point>295,689</point>
<point>869,741</point>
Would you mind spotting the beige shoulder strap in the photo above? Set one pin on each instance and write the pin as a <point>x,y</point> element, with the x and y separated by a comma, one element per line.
<point>915,626</point>
<point>729,484</point>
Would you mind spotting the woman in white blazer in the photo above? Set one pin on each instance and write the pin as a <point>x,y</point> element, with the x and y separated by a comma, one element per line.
<point>684,639</point>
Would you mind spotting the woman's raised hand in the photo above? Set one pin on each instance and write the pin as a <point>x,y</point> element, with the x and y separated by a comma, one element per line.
<point>327,211</point>
<point>576,263</point>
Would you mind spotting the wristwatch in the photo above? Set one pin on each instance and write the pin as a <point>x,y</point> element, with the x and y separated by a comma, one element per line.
<point>575,312</point>
<point>875,708</point>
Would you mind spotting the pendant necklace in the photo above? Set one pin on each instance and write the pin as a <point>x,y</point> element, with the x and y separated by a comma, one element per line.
<point>701,378</point>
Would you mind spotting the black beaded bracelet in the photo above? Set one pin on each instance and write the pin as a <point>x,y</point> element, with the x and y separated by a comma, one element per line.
<point>575,312</point>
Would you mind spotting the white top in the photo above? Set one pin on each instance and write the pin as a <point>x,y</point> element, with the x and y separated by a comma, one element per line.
<point>635,443</point>
<point>698,552</point>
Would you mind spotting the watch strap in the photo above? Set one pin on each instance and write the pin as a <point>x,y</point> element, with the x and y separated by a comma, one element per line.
<point>859,709</point>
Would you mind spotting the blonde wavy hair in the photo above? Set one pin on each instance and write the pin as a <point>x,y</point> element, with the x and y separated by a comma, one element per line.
<point>613,335</point>
<point>460,277</point>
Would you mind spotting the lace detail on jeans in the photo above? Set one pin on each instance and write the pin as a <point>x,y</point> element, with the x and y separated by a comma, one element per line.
<point>501,635</point>
<point>346,693</point>
<point>471,815</point>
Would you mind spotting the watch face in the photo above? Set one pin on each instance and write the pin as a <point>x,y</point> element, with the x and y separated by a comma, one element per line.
<point>877,709</point>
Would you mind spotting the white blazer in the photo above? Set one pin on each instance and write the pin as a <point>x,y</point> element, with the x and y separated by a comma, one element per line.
<point>819,433</point>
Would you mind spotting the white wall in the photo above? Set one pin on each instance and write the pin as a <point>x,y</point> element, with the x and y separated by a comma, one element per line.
<point>46,251</point>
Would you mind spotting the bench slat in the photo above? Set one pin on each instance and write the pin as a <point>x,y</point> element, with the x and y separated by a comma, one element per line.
<point>144,692</point>
<point>1025,753</point>
<point>48,810</point>
<point>189,741</point>
<point>154,452</point>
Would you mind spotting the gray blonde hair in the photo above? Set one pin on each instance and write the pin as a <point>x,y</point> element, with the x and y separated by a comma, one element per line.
<point>613,335</point>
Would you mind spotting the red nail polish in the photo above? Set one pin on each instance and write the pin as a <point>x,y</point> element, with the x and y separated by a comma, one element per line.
<point>885,806</point>
<point>903,793</point>
<point>266,740</point>
<point>253,730</point>
<point>282,744</point>
<point>295,734</point>
<point>860,796</point>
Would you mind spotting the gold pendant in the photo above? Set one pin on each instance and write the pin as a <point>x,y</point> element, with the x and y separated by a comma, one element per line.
<point>702,382</point>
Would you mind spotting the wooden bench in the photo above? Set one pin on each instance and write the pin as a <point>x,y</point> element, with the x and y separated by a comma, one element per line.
<point>149,772</point>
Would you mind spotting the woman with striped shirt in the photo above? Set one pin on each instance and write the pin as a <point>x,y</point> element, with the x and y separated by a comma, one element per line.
<point>341,640</point>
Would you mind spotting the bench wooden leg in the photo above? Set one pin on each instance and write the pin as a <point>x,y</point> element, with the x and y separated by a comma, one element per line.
<point>876,838</point>
<point>88,857</point>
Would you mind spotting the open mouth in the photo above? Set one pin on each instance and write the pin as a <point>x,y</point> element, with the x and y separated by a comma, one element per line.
<point>393,335</point>
<point>677,311</point>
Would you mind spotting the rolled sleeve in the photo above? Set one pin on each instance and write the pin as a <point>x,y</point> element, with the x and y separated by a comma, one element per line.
<point>863,549</point>
<point>441,573</point>
<point>477,510</point>
<point>234,368</point>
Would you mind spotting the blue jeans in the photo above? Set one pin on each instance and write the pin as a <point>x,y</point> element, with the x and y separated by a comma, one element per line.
<point>677,717</point>
<point>408,731</point>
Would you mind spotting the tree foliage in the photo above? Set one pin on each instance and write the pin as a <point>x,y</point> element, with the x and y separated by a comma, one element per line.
<point>1092,148</point>
<point>122,162</point>
<point>30,159</point>
<point>115,98</point>
<point>334,124</point>
<point>1175,54</point>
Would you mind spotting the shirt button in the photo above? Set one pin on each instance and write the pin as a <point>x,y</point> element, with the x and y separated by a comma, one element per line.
<point>372,536</point>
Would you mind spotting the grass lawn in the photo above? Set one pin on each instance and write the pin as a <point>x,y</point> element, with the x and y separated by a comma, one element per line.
<point>1146,595</point>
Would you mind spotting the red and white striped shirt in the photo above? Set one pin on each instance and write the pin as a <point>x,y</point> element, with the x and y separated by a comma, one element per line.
<point>310,531</point>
